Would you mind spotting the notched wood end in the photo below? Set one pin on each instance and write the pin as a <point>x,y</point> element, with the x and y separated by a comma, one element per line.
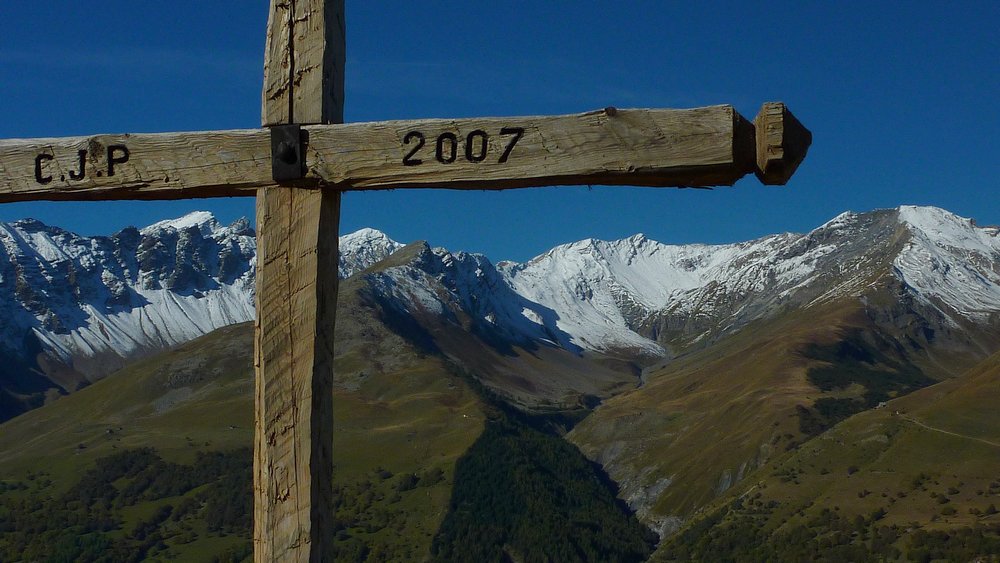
<point>782,143</point>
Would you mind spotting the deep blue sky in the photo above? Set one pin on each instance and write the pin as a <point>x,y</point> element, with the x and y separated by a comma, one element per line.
<point>901,99</point>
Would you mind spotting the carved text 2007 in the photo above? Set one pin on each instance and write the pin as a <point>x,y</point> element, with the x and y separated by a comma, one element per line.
<point>446,147</point>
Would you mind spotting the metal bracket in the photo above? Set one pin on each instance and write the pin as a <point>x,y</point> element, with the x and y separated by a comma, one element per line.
<point>287,153</point>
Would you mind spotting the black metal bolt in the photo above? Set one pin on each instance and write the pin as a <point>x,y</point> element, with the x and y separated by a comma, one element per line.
<point>286,153</point>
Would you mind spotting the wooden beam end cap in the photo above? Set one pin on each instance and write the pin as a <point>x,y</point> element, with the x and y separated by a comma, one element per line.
<point>782,143</point>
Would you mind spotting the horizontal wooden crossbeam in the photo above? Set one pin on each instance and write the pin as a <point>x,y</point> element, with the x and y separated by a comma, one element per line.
<point>701,147</point>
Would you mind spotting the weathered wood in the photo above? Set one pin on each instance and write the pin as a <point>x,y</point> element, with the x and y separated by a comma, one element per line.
<point>708,146</point>
<point>158,166</point>
<point>296,303</point>
<point>297,297</point>
<point>302,83</point>
<point>782,143</point>
<point>276,99</point>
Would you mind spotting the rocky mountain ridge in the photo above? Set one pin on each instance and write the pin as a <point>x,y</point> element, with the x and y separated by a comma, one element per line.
<point>639,298</point>
<point>91,302</point>
<point>77,307</point>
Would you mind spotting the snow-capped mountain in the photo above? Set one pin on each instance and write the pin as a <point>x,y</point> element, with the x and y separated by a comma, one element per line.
<point>76,307</point>
<point>363,248</point>
<point>951,262</point>
<point>639,297</point>
<point>103,297</point>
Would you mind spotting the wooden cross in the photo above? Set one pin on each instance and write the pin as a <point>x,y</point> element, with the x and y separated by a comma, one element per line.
<point>298,173</point>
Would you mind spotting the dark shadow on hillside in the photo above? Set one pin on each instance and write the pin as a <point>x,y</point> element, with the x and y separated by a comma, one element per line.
<point>401,322</point>
<point>864,359</point>
<point>22,385</point>
<point>524,495</point>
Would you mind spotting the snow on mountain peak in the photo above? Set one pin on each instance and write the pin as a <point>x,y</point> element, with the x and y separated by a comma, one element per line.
<point>605,293</point>
<point>949,259</point>
<point>204,220</point>
<point>365,236</point>
<point>843,220</point>
<point>362,248</point>
<point>934,221</point>
<point>168,282</point>
<point>602,290</point>
<point>139,289</point>
<point>126,293</point>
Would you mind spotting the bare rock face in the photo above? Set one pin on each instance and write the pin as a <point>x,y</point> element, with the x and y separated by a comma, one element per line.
<point>87,305</point>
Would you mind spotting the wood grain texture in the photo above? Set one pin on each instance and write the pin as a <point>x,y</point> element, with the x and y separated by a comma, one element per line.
<point>159,166</point>
<point>644,147</point>
<point>302,84</point>
<point>296,304</point>
<point>297,298</point>
<point>319,49</point>
<point>276,95</point>
<point>708,146</point>
<point>782,143</point>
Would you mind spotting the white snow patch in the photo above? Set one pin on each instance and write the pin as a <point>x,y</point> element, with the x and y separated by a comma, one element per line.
<point>204,220</point>
<point>950,259</point>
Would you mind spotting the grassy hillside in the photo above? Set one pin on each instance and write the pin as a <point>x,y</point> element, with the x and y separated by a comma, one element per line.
<point>708,420</point>
<point>192,398</point>
<point>161,446</point>
<point>704,421</point>
<point>153,462</point>
<point>916,479</point>
<point>402,420</point>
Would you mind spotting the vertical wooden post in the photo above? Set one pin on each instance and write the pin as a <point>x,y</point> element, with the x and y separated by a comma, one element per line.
<point>297,296</point>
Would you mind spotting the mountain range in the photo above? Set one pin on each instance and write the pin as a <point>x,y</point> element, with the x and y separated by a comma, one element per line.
<point>76,308</point>
<point>703,380</point>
